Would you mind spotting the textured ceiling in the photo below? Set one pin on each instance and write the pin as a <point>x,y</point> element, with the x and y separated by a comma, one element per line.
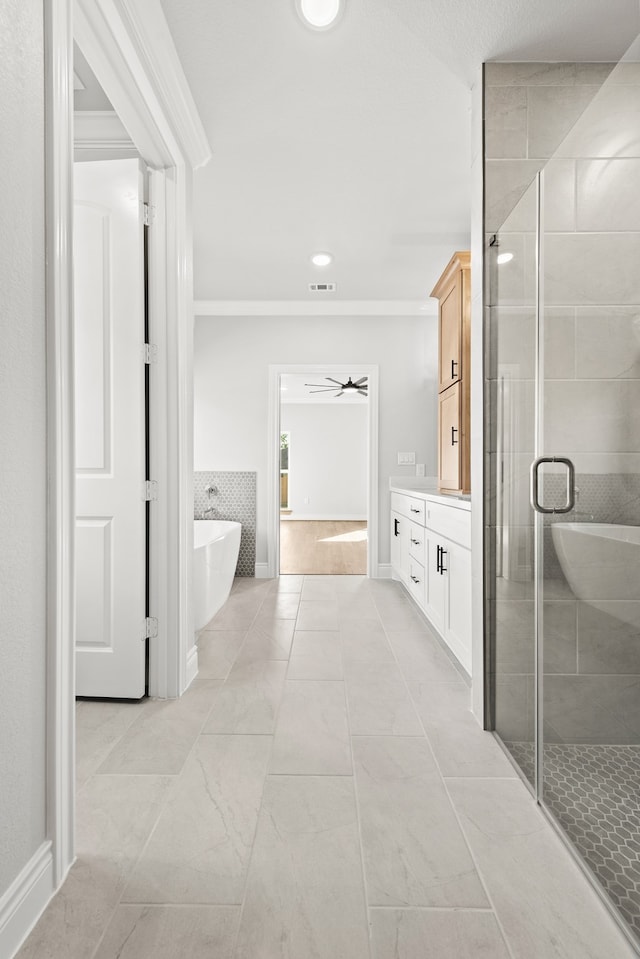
<point>355,140</point>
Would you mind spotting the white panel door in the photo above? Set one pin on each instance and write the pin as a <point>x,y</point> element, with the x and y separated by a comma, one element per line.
<point>110,428</point>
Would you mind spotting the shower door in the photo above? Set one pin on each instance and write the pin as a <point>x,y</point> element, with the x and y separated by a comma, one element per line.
<point>563,511</point>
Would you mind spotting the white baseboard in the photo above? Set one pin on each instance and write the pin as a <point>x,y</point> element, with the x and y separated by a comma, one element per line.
<point>384,571</point>
<point>262,571</point>
<point>192,666</point>
<point>25,900</point>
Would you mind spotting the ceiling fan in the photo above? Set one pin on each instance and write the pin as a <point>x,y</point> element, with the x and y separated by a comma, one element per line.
<point>360,386</point>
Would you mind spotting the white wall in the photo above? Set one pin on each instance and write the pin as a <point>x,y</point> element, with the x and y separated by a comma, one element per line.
<point>327,459</point>
<point>232,356</point>
<point>23,465</point>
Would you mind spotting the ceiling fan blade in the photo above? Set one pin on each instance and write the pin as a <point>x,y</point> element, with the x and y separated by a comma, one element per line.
<point>363,392</point>
<point>361,380</point>
<point>322,386</point>
<point>325,389</point>
<point>340,393</point>
<point>333,381</point>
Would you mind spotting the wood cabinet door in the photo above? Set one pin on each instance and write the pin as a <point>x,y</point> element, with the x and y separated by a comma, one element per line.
<point>450,364</point>
<point>450,438</point>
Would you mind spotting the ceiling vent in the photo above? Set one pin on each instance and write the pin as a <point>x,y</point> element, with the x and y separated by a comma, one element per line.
<point>322,288</point>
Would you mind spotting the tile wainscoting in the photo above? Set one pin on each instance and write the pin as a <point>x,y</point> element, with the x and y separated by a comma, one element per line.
<point>235,500</point>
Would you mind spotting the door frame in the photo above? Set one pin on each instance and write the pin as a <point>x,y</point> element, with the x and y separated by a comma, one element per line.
<point>273,459</point>
<point>132,54</point>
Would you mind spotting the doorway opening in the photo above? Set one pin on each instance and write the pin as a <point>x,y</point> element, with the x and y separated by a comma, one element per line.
<point>324,470</point>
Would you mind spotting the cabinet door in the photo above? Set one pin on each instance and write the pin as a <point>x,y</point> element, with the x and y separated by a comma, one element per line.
<point>457,627</point>
<point>450,364</point>
<point>399,548</point>
<point>450,439</point>
<point>435,583</point>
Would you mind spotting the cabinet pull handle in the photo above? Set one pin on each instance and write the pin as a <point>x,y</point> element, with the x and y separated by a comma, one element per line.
<point>454,363</point>
<point>438,551</point>
<point>414,510</point>
<point>416,542</point>
<point>415,578</point>
<point>443,553</point>
<point>396,527</point>
<point>453,437</point>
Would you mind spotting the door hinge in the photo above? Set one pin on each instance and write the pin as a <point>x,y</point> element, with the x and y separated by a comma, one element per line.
<point>150,490</point>
<point>148,214</point>
<point>150,353</point>
<point>150,628</point>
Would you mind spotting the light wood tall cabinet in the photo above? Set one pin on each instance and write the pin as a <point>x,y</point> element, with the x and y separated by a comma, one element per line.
<point>453,290</point>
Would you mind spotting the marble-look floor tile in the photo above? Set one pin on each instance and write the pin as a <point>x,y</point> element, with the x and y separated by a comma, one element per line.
<point>99,726</point>
<point>399,616</point>
<point>165,932</point>
<point>161,738</point>
<point>115,816</point>
<point>436,934</point>
<point>305,895</point>
<point>460,745</point>
<point>318,615</point>
<point>312,736</point>
<point>546,906</point>
<point>362,671</point>
<point>319,589</point>
<point>268,638</point>
<point>315,654</point>
<point>238,612</point>
<point>199,851</point>
<point>286,584</point>
<point>414,851</point>
<point>249,700</point>
<point>280,606</point>
<point>366,641</point>
<point>356,608</point>
<point>382,708</point>
<point>217,650</point>
<point>420,657</point>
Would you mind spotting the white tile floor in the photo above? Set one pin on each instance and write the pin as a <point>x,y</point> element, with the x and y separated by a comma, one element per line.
<point>321,792</point>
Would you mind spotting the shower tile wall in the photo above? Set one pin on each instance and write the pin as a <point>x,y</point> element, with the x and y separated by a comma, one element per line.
<point>235,500</point>
<point>592,372</point>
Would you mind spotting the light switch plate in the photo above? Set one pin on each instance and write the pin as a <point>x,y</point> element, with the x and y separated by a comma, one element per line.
<point>406,459</point>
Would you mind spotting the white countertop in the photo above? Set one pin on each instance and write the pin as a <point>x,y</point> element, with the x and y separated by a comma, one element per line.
<point>422,489</point>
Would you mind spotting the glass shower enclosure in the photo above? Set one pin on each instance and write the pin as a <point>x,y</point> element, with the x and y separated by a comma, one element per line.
<point>563,471</point>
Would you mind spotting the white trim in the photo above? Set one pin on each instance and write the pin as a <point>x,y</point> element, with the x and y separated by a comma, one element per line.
<point>101,127</point>
<point>384,571</point>
<point>273,457</point>
<point>60,762</point>
<point>262,571</point>
<point>425,307</point>
<point>192,666</point>
<point>25,900</point>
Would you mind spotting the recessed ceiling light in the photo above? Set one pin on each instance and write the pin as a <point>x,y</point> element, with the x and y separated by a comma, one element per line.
<point>319,14</point>
<point>504,257</point>
<point>321,259</point>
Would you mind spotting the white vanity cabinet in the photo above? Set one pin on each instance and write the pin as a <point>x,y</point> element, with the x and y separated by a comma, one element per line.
<point>431,557</point>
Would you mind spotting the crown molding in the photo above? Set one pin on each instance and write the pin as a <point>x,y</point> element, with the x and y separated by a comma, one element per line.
<point>308,308</point>
<point>100,129</point>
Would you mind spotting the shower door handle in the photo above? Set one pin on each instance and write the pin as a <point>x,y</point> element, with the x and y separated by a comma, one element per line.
<point>571,493</point>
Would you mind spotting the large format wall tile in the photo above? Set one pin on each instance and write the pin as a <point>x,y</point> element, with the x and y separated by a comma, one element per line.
<point>305,893</point>
<point>553,111</point>
<point>506,122</point>
<point>585,269</point>
<point>608,343</point>
<point>414,852</point>
<point>604,200</point>
<point>592,709</point>
<point>200,849</point>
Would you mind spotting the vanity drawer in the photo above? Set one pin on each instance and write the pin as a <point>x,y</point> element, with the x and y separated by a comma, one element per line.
<point>417,542</point>
<point>409,506</point>
<point>448,521</point>
<point>416,582</point>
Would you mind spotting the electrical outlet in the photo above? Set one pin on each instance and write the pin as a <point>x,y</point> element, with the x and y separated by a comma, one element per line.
<point>406,459</point>
<point>419,469</point>
<point>306,501</point>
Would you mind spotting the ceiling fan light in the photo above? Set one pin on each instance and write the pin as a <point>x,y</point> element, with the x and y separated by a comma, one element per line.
<point>321,259</point>
<point>319,14</point>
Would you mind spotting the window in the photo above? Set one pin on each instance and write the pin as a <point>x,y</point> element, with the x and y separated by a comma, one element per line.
<point>284,470</point>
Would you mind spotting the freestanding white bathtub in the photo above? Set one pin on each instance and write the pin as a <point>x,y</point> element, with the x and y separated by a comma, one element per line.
<point>216,544</point>
<point>600,560</point>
